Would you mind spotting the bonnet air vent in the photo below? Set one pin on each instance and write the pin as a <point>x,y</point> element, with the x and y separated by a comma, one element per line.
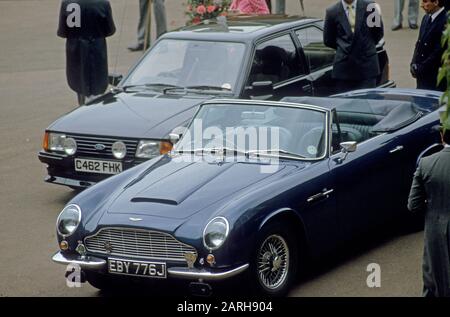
<point>154,200</point>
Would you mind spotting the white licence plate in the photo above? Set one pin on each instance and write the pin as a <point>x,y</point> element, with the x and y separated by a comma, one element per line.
<point>137,268</point>
<point>100,167</point>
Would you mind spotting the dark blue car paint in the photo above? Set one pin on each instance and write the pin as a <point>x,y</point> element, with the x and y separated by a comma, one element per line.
<point>370,187</point>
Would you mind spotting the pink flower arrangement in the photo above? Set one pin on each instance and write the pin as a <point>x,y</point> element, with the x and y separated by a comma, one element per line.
<point>199,10</point>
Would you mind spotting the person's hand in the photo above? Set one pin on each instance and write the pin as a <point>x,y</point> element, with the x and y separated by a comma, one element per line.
<point>413,70</point>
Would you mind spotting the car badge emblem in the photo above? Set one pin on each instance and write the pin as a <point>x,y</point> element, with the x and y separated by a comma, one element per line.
<point>100,147</point>
<point>108,247</point>
<point>135,219</point>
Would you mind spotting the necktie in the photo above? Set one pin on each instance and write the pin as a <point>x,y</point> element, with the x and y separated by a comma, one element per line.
<point>430,20</point>
<point>351,17</point>
<point>427,25</point>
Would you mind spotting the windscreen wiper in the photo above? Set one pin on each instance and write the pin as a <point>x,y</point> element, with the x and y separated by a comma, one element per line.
<point>208,87</point>
<point>275,153</point>
<point>147,86</point>
<point>218,150</point>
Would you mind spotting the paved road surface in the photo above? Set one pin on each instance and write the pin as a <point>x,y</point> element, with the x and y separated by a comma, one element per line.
<point>33,92</point>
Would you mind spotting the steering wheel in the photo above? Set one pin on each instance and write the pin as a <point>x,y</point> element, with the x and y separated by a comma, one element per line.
<point>308,145</point>
<point>285,138</point>
<point>168,75</point>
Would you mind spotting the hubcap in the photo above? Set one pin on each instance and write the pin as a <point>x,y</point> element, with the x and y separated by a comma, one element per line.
<point>273,262</point>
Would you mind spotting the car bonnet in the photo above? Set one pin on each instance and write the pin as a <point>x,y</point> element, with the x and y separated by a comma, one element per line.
<point>133,115</point>
<point>181,189</point>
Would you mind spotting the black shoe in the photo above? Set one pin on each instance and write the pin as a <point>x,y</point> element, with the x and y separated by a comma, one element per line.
<point>396,27</point>
<point>413,26</point>
<point>136,47</point>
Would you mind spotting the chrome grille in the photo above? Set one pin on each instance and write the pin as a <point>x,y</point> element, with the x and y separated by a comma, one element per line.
<point>86,146</point>
<point>136,243</point>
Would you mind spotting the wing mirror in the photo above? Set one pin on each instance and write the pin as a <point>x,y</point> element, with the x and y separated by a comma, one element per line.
<point>347,147</point>
<point>176,134</point>
<point>114,79</point>
<point>174,138</point>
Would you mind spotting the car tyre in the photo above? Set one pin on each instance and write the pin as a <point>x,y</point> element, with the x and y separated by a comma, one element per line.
<point>275,261</point>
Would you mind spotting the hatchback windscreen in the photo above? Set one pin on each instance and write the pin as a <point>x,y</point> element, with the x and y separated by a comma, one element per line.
<point>292,132</point>
<point>190,64</point>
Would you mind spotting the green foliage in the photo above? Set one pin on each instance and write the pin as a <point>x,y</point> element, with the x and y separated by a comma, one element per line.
<point>444,73</point>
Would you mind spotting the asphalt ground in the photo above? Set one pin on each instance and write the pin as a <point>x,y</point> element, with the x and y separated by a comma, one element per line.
<point>33,93</point>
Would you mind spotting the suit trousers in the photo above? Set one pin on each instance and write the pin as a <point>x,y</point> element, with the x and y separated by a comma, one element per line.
<point>348,85</point>
<point>413,12</point>
<point>280,7</point>
<point>159,12</point>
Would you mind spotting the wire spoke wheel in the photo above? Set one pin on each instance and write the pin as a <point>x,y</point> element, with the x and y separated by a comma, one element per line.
<point>273,262</point>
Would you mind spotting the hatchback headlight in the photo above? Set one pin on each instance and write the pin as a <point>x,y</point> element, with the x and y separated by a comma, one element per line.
<point>68,220</point>
<point>70,146</point>
<point>215,233</point>
<point>148,149</point>
<point>55,142</point>
<point>119,150</point>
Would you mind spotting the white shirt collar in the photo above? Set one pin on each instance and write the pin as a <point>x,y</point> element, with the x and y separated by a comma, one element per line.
<point>447,146</point>
<point>435,15</point>
<point>345,5</point>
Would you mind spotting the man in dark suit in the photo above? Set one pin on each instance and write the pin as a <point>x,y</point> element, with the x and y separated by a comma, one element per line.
<point>428,52</point>
<point>430,193</point>
<point>354,28</point>
<point>85,24</point>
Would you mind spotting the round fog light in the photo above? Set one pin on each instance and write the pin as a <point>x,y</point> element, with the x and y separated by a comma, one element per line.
<point>70,146</point>
<point>119,150</point>
<point>64,246</point>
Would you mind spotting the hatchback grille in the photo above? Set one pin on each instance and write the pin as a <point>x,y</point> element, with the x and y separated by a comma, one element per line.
<point>138,244</point>
<point>86,146</point>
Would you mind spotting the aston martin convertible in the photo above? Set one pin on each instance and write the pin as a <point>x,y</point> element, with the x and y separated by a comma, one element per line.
<point>253,188</point>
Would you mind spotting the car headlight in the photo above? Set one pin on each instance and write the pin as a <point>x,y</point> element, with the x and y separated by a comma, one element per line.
<point>68,220</point>
<point>119,150</point>
<point>70,146</point>
<point>149,148</point>
<point>215,233</point>
<point>54,141</point>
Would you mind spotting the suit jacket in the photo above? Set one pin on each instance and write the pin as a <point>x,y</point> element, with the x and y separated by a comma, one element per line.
<point>430,193</point>
<point>428,52</point>
<point>356,54</point>
<point>86,50</point>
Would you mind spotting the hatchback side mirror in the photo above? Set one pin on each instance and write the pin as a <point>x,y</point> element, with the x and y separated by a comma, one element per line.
<point>114,79</point>
<point>174,138</point>
<point>176,134</point>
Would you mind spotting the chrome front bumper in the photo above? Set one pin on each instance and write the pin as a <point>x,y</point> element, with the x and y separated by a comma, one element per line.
<point>88,262</point>
<point>196,274</point>
<point>93,263</point>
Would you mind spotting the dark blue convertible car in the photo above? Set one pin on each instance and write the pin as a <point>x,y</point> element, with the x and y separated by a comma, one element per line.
<point>254,188</point>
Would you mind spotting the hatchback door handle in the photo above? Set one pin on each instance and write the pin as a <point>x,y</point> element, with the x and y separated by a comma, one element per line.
<point>397,149</point>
